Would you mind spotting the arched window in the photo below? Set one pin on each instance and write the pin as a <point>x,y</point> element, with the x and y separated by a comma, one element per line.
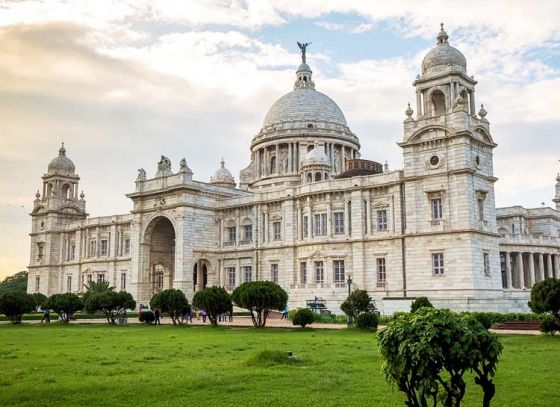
<point>317,176</point>
<point>66,191</point>
<point>309,177</point>
<point>49,189</point>
<point>273,165</point>
<point>438,102</point>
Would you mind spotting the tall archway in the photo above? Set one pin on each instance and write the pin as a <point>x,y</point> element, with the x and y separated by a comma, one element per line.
<point>201,277</point>
<point>160,236</point>
<point>438,102</point>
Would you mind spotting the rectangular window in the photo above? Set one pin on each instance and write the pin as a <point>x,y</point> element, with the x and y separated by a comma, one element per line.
<point>319,272</point>
<point>487,264</point>
<point>305,226</point>
<point>230,276</point>
<point>123,281</point>
<point>72,251</point>
<point>89,278</point>
<point>37,283</point>
<point>437,264</point>
<point>40,250</point>
<point>69,284</point>
<point>92,247</point>
<point>248,233</point>
<point>274,272</point>
<point>103,247</point>
<point>303,272</point>
<point>101,277</point>
<point>381,272</point>
<point>247,273</point>
<point>276,231</point>
<point>338,267</point>
<point>126,246</point>
<point>231,234</point>
<point>437,209</point>
<point>320,224</point>
<point>339,223</point>
<point>382,220</point>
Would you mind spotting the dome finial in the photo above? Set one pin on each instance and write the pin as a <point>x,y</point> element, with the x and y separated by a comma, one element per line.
<point>222,163</point>
<point>62,150</point>
<point>442,36</point>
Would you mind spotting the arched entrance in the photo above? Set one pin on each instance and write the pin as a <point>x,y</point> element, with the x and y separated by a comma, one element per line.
<point>160,236</point>
<point>200,275</point>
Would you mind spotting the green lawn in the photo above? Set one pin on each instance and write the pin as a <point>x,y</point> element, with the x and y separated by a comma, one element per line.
<point>203,366</point>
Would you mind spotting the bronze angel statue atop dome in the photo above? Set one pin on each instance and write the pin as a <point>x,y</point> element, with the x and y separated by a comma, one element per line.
<point>303,48</point>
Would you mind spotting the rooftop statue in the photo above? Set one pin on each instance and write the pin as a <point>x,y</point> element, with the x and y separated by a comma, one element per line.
<point>303,48</point>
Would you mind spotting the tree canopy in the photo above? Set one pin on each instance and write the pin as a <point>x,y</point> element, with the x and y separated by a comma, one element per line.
<point>16,282</point>
<point>426,354</point>
<point>172,301</point>
<point>109,303</point>
<point>260,297</point>
<point>65,305</point>
<point>356,303</point>
<point>545,298</point>
<point>214,300</point>
<point>14,304</point>
<point>419,303</point>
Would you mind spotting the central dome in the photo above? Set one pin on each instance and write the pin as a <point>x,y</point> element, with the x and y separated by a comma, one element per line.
<point>304,104</point>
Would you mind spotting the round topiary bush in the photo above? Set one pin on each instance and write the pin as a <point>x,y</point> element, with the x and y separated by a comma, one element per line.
<point>419,303</point>
<point>147,317</point>
<point>367,321</point>
<point>548,324</point>
<point>303,317</point>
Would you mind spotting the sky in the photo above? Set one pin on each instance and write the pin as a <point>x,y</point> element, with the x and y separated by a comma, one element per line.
<point>123,82</point>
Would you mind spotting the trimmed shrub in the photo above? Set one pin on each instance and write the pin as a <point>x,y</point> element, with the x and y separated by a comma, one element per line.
<point>147,317</point>
<point>419,303</point>
<point>65,305</point>
<point>367,321</point>
<point>172,301</point>
<point>358,302</point>
<point>14,304</point>
<point>303,317</point>
<point>109,303</point>
<point>548,324</point>
<point>214,300</point>
<point>260,297</point>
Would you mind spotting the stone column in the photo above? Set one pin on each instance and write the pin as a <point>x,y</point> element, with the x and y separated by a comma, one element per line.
<point>265,231</point>
<point>541,267</point>
<point>549,272</point>
<point>418,104</point>
<point>520,270</point>
<point>221,234</point>
<point>290,158</point>
<point>532,269</point>
<point>309,219</point>
<point>473,104</point>
<point>239,279</point>
<point>347,219</point>
<point>509,283</point>
<point>278,164</point>
<point>556,266</point>
<point>299,220</point>
<point>329,216</point>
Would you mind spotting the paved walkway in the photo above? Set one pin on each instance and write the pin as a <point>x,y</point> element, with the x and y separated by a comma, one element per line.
<point>245,322</point>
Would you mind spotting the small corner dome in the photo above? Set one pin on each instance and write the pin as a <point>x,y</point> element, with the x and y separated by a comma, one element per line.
<point>61,164</point>
<point>443,56</point>
<point>316,156</point>
<point>223,177</point>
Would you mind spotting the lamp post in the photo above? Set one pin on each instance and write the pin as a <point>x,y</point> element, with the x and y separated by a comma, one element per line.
<point>349,283</point>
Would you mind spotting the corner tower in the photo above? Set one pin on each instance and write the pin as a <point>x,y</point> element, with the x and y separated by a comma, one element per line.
<point>449,183</point>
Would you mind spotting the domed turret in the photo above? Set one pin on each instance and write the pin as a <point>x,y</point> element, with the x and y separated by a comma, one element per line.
<point>316,166</point>
<point>61,164</point>
<point>223,177</point>
<point>443,56</point>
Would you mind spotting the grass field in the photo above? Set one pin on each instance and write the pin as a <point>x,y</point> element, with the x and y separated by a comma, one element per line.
<point>138,365</point>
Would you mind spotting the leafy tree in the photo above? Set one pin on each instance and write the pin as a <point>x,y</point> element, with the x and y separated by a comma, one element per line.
<point>39,300</point>
<point>214,300</point>
<point>260,297</point>
<point>545,298</point>
<point>367,321</point>
<point>426,354</point>
<point>99,286</point>
<point>419,303</point>
<point>14,304</point>
<point>16,282</point>
<point>172,301</point>
<point>65,305</point>
<point>109,303</point>
<point>303,317</point>
<point>356,303</point>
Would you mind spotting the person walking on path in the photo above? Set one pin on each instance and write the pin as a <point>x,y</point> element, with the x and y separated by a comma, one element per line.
<point>203,314</point>
<point>231,313</point>
<point>285,312</point>
<point>157,315</point>
<point>46,316</point>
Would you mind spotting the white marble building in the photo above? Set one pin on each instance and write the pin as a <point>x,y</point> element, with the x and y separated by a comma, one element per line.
<point>309,212</point>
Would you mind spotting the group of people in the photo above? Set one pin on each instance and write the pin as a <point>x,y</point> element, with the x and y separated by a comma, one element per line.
<point>187,315</point>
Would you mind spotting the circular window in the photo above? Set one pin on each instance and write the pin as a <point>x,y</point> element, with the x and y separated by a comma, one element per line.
<point>434,160</point>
